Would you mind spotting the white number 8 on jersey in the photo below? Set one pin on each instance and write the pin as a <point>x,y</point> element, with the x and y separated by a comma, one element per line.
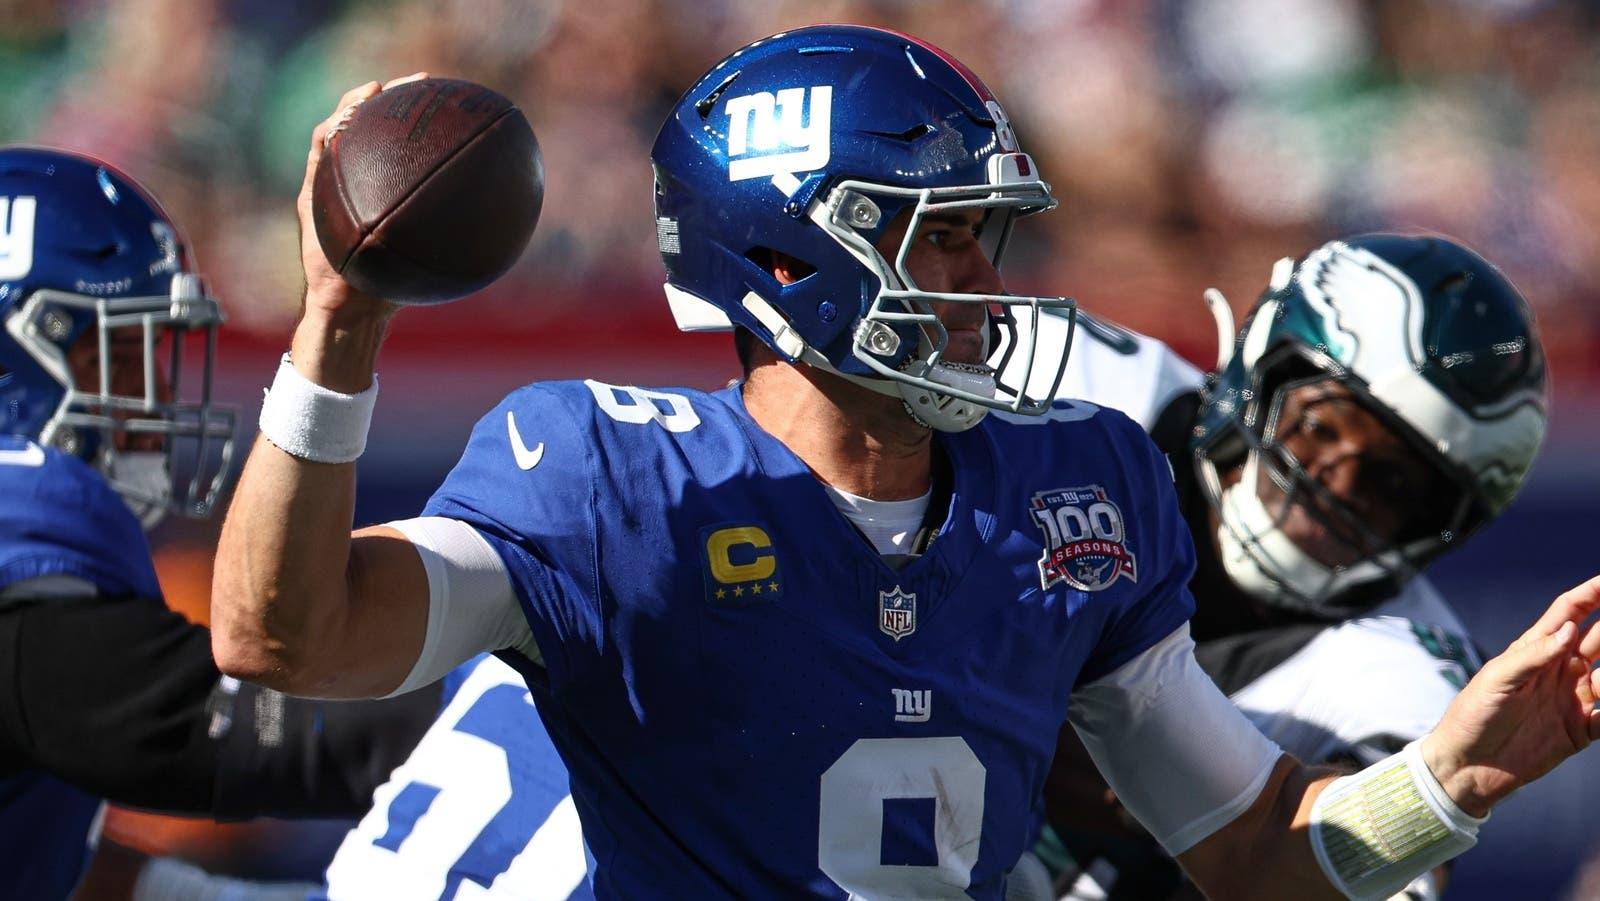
<point>851,832</point>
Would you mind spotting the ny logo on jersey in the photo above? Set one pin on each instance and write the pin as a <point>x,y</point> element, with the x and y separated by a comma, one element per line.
<point>16,236</point>
<point>1085,540</point>
<point>897,613</point>
<point>761,123</point>
<point>912,705</point>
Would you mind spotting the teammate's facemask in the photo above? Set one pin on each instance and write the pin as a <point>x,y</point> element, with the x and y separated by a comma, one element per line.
<point>1422,335</point>
<point>104,266</point>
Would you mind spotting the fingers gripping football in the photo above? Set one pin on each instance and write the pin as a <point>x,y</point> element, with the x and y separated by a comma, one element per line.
<point>326,290</point>
<point>425,191</point>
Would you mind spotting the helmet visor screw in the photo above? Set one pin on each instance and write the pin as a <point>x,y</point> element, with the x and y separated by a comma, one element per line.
<point>882,340</point>
<point>864,213</point>
<point>56,325</point>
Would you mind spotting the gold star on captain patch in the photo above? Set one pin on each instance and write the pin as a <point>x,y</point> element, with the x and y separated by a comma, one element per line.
<point>721,593</point>
<point>738,591</point>
<point>756,588</point>
<point>773,585</point>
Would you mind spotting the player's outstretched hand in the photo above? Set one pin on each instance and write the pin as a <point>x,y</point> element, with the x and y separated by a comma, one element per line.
<point>1528,709</point>
<point>326,290</point>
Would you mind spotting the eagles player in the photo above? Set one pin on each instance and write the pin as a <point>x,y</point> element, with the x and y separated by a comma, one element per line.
<point>1384,401</point>
<point>106,693</point>
<point>755,698</point>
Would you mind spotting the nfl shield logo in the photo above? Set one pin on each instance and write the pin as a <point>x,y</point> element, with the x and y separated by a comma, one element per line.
<point>897,613</point>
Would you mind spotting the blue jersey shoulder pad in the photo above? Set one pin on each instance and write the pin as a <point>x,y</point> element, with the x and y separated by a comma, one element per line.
<point>59,517</point>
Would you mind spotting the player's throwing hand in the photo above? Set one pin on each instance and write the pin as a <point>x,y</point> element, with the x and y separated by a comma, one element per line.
<point>326,290</point>
<point>336,344</point>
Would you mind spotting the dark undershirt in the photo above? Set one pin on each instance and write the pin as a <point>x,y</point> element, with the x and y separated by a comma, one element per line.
<point>120,696</point>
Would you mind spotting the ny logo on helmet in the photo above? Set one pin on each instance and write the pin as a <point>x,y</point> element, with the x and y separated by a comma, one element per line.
<point>16,236</point>
<point>761,123</point>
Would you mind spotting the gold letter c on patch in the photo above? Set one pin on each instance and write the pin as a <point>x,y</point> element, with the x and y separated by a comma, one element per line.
<point>724,570</point>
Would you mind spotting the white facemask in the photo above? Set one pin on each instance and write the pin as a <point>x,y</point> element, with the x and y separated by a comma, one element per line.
<point>1265,563</point>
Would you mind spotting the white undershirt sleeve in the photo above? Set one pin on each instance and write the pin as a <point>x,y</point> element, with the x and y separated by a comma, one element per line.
<point>472,606</point>
<point>1179,755</point>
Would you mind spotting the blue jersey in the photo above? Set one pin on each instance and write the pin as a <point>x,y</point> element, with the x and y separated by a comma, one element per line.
<point>58,517</point>
<point>45,835</point>
<point>749,699</point>
<point>480,810</point>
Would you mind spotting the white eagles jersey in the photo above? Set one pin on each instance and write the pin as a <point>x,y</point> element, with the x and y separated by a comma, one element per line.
<point>1337,697</point>
<point>1109,365</point>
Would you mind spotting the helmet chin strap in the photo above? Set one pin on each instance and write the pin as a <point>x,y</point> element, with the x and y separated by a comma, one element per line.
<point>944,412</point>
<point>142,481</point>
<point>1265,563</point>
<point>931,409</point>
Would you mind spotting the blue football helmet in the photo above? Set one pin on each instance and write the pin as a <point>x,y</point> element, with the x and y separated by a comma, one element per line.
<point>89,262</point>
<point>809,143</point>
<point>1429,337</point>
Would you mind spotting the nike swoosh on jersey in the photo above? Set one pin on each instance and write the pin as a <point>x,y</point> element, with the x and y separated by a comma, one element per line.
<point>526,459</point>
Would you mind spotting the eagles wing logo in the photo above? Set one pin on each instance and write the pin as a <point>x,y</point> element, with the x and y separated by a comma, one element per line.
<point>1361,298</point>
<point>1085,539</point>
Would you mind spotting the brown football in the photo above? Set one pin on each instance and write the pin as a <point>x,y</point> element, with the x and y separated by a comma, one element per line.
<point>428,191</point>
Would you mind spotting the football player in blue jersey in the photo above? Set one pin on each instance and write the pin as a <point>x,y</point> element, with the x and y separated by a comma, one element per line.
<point>481,809</point>
<point>104,326</point>
<point>1320,669</point>
<point>815,634</point>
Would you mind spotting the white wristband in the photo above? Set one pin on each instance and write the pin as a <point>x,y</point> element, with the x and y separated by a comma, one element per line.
<point>1377,830</point>
<point>314,423</point>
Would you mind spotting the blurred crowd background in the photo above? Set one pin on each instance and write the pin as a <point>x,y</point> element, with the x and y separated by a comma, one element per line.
<point>1192,143</point>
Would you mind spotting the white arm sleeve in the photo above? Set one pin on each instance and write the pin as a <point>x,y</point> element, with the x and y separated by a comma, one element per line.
<point>471,605</point>
<point>1179,755</point>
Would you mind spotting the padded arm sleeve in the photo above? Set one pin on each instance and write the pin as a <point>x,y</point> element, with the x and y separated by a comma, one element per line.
<point>472,606</point>
<point>1180,757</point>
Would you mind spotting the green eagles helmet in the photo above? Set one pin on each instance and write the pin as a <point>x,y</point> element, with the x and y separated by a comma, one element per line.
<point>1428,336</point>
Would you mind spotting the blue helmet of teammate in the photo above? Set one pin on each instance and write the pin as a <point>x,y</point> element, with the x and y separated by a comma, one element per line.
<point>88,263</point>
<point>809,144</point>
<point>1430,338</point>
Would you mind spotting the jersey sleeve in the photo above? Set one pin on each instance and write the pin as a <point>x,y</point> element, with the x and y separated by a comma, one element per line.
<point>525,484</point>
<point>1165,557</point>
<point>60,518</point>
